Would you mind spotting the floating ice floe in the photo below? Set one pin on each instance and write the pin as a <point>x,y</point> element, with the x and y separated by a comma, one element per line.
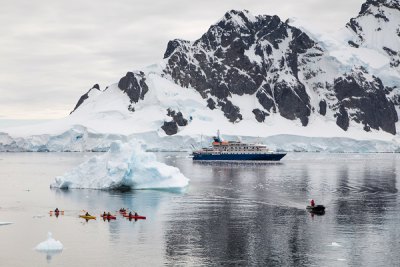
<point>334,244</point>
<point>123,166</point>
<point>49,245</point>
<point>5,223</point>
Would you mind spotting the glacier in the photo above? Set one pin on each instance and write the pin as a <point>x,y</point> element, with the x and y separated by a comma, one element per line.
<point>82,139</point>
<point>125,165</point>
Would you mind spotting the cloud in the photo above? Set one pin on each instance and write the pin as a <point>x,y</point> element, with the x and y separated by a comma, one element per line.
<point>53,52</point>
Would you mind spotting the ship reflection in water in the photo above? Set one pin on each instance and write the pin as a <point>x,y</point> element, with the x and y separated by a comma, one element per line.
<point>255,215</point>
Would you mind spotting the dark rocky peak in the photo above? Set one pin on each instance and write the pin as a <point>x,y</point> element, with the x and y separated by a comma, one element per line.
<point>236,19</point>
<point>243,54</point>
<point>134,85</point>
<point>377,27</point>
<point>375,10</point>
<point>85,96</point>
<point>365,8</point>
<point>176,45</point>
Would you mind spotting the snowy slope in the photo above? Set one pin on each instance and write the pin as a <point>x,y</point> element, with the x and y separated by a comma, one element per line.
<point>377,28</point>
<point>107,113</point>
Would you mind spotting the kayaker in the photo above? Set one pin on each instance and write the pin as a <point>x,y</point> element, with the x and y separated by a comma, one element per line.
<point>108,214</point>
<point>312,203</point>
<point>56,210</point>
<point>104,214</point>
<point>130,214</point>
<point>87,214</point>
<point>136,214</point>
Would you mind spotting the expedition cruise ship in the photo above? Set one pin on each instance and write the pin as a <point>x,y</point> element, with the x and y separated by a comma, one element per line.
<point>236,151</point>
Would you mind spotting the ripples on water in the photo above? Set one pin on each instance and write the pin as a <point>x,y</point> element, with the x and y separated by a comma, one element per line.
<point>231,214</point>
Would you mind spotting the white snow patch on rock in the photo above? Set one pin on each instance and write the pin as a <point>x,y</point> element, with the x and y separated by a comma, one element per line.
<point>123,166</point>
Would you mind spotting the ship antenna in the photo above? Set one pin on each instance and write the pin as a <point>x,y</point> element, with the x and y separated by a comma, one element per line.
<point>193,147</point>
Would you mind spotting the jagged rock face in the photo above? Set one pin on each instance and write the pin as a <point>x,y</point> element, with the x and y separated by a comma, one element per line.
<point>260,115</point>
<point>170,127</point>
<point>364,101</point>
<point>242,54</point>
<point>377,26</point>
<point>263,56</point>
<point>211,104</point>
<point>134,85</point>
<point>177,117</point>
<point>342,118</point>
<point>231,111</point>
<point>85,96</point>
<point>322,107</point>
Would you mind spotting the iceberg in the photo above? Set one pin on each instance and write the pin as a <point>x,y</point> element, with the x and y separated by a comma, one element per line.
<point>49,245</point>
<point>125,165</point>
<point>334,244</point>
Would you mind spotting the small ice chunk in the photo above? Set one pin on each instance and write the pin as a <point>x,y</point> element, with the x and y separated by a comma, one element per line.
<point>5,223</point>
<point>334,244</point>
<point>50,244</point>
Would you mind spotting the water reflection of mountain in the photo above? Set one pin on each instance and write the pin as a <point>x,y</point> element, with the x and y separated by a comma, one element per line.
<point>234,223</point>
<point>366,200</point>
<point>365,192</point>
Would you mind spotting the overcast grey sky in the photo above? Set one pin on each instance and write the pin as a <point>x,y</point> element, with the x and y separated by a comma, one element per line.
<point>53,51</point>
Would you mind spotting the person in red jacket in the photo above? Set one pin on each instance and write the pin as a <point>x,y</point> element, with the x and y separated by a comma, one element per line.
<point>312,203</point>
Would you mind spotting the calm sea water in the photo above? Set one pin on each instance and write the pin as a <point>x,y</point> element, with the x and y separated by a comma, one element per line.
<point>229,215</point>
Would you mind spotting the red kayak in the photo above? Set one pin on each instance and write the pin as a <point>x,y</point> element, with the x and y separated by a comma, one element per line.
<point>57,213</point>
<point>109,217</point>
<point>137,217</point>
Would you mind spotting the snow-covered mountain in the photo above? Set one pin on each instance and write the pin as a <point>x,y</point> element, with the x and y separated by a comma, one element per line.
<point>377,27</point>
<point>258,76</point>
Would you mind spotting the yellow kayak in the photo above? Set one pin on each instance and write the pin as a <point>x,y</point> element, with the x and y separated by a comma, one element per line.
<point>88,217</point>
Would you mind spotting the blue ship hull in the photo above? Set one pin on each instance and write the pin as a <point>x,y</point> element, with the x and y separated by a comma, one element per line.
<point>240,157</point>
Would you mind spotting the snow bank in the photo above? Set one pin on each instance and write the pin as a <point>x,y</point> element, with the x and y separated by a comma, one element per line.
<point>49,245</point>
<point>76,139</point>
<point>123,166</point>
